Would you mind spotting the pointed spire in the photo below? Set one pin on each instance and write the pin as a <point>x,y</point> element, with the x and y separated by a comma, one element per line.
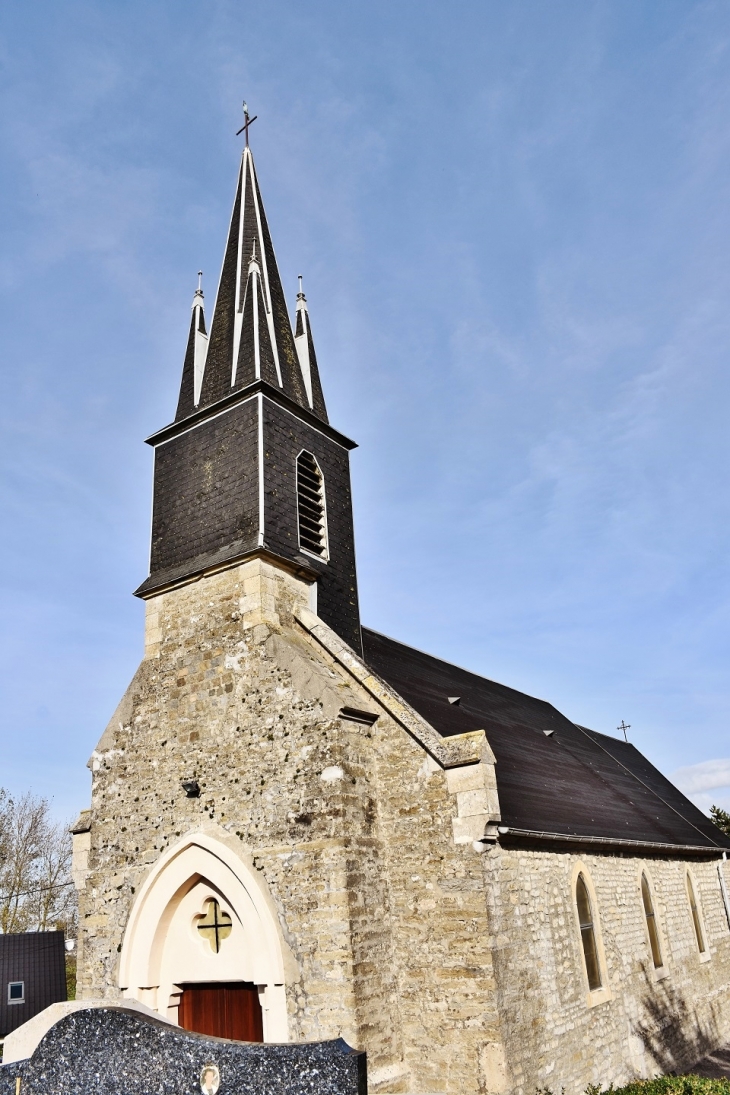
<point>307,358</point>
<point>250,334</point>
<point>195,355</point>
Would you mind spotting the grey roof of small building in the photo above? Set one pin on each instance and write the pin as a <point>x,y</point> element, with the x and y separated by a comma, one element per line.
<point>553,776</point>
<point>38,959</point>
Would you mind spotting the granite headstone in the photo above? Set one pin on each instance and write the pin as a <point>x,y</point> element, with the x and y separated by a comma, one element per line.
<point>115,1051</point>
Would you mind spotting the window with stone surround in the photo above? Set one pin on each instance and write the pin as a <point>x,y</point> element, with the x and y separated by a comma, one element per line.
<point>215,926</point>
<point>587,933</point>
<point>699,934</point>
<point>311,509</point>
<point>651,924</point>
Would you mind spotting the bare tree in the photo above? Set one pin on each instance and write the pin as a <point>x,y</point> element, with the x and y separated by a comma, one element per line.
<point>56,898</point>
<point>35,868</point>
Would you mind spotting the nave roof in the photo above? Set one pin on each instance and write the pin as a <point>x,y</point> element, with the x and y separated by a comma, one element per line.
<point>553,776</point>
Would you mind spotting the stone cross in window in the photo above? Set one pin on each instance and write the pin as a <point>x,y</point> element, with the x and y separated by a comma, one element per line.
<point>215,926</point>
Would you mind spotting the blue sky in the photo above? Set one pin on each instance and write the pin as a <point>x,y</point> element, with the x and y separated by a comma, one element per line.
<point>513,221</point>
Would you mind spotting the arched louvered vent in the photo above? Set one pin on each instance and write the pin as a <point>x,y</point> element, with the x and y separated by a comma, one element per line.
<point>311,507</point>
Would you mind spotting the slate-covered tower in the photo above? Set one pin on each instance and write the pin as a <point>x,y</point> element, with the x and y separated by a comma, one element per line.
<point>250,465</point>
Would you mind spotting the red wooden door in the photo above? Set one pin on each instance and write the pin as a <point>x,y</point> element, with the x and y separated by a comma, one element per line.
<point>225,1010</point>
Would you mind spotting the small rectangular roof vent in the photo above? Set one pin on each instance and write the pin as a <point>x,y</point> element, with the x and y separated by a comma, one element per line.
<point>367,718</point>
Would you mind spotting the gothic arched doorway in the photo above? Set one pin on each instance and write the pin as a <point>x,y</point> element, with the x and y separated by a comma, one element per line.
<point>202,945</point>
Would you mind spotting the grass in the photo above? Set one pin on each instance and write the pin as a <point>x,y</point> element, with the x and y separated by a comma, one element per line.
<point>71,979</point>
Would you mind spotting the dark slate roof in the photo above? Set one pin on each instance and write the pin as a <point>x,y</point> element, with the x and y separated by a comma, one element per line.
<point>575,782</point>
<point>38,959</point>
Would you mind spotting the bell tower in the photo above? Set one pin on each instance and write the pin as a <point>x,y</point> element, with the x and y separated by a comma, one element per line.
<point>250,466</point>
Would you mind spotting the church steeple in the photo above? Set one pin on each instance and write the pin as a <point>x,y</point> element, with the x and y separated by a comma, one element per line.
<point>251,466</point>
<point>250,334</point>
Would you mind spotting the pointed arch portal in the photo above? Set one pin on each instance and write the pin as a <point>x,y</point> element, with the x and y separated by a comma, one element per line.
<point>165,953</point>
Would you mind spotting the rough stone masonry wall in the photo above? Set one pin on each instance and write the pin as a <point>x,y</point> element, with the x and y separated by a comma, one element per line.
<point>446,989</point>
<point>383,912</point>
<point>649,1021</point>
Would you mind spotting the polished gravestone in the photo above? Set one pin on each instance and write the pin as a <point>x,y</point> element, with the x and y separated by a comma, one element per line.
<point>115,1051</point>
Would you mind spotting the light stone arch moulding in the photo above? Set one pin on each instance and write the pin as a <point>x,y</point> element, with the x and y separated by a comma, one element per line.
<point>202,860</point>
<point>604,993</point>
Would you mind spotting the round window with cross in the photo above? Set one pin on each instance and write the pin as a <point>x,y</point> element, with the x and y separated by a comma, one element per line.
<point>214,926</point>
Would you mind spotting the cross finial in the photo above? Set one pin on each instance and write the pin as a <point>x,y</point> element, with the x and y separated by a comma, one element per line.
<point>248,121</point>
<point>624,726</point>
<point>200,281</point>
<point>300,294</point>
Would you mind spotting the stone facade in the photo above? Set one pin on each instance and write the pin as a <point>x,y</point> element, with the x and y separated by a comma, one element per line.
<point>646,1020</point>
<point>370,842</point>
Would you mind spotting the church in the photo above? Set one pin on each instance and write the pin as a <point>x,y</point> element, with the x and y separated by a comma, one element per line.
<point>301,828</point>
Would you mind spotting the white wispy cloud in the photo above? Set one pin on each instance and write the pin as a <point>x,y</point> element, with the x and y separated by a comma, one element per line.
<point>706,784</point>
<point>708,775</point>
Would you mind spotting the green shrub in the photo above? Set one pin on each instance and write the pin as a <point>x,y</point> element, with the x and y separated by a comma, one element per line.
<point>668,1085</point>
<point>663,1085</point>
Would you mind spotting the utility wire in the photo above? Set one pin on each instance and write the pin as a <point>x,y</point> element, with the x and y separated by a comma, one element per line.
<point>39,889</point>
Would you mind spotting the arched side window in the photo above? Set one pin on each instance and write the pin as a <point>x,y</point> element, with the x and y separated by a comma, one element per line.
<point>311,509</point>
<point>651,924</point>
<point>587,933</point>
<point>695,915</point>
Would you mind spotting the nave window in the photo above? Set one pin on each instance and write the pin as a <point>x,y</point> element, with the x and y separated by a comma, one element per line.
<point>587,933</point>
<point>651,924</point>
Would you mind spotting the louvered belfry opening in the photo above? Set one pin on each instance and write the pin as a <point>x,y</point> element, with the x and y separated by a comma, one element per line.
<point>310,502</point>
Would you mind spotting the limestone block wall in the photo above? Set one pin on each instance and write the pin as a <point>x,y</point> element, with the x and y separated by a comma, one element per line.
<point>349,823</point>
<point>447,1000</point>
<point>643,1021</point>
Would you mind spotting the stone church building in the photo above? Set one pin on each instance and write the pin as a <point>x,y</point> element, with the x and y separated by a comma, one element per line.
<point>301,828</point>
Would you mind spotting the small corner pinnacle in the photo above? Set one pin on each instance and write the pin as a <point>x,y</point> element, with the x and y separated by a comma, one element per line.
<point>198,297</point>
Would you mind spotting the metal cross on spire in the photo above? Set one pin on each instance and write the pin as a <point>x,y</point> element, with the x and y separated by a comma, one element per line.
<point>624,726</point>
<point>247,123</point>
